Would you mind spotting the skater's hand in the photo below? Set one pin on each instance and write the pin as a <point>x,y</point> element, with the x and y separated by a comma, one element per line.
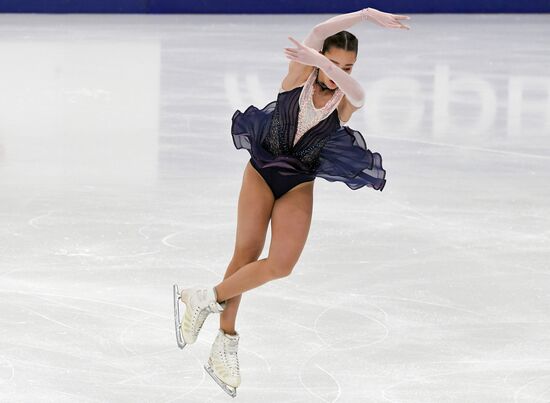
<point>386,19</point>
<point>304,54</point>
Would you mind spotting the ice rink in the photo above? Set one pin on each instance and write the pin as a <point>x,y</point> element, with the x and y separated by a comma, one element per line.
<point>119,178</point>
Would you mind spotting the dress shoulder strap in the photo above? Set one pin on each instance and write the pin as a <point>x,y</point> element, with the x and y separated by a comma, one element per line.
<point>307,89</point>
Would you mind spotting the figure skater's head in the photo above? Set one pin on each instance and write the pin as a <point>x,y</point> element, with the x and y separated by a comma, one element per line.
<point>341,48</point>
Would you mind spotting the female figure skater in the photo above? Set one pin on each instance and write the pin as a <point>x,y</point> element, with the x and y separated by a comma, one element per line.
<point>291,141</point>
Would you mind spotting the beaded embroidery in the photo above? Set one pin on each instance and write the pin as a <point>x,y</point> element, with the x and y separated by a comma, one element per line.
<point>273,140</point>
<point>309,155</point>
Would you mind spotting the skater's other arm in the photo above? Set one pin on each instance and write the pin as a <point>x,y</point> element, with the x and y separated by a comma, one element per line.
<point>309,56</point>
<point>349,85</point>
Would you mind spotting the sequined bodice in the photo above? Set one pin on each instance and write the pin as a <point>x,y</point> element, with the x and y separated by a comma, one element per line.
<point>309,115</point>
<point>297,131</point>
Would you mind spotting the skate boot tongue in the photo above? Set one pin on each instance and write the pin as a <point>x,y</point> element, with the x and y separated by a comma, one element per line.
<point>232,336</point>
<point>232,345</point>
<point>231,342</point>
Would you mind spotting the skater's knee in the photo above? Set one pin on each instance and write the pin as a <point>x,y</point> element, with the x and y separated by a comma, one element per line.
<point>279,268</point>
<point>246,254</point>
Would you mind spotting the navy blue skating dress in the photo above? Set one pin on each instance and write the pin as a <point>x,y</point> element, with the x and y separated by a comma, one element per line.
<point>325,148</point>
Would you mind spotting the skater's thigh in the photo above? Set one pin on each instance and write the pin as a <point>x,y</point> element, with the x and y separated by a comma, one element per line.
<point>290,223</point>
<point>254,211</point>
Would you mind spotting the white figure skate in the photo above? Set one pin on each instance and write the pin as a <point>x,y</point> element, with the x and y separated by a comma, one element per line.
<point>223,363</point>
<point>199,303</point>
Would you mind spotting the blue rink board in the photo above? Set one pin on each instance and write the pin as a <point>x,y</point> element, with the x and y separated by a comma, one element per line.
<point>276,6</point>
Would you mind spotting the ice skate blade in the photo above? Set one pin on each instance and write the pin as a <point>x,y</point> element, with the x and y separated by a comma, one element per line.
<point>230,390</point>
<point>177,318</point>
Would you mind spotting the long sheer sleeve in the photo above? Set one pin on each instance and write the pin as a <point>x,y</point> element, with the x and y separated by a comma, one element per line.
<point>320,32</point>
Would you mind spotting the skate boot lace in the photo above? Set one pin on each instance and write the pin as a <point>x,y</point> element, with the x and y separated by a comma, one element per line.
<point>199,315</point>
<point>230,353</point>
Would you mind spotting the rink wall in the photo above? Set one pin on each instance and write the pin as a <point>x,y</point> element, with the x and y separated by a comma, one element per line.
<point>271,7</point>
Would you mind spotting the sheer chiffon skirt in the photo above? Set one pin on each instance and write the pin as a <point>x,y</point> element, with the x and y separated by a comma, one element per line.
<point>344,157</point>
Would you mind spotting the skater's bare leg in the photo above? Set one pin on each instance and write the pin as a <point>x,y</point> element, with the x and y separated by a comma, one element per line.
<point>254,211</point>
<point>229,315</point>
<point>290,223</point>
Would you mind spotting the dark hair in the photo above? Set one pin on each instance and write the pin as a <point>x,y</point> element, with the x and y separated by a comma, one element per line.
<point>342,40</point>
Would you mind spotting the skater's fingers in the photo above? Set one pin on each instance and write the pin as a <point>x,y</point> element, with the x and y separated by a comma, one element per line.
<point>397,25</point>
<point>295,42</point>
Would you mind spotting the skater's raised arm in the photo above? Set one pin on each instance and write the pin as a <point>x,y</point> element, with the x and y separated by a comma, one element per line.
<point>320,32</point>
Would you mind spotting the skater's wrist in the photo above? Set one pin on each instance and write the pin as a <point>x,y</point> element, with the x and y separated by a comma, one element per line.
<point>325,64</point>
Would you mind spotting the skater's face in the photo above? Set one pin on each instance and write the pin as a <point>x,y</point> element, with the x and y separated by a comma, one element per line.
<point>345,59</point>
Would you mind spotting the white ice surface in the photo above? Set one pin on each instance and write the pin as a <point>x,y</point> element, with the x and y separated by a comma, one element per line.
<point>118,177</point>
